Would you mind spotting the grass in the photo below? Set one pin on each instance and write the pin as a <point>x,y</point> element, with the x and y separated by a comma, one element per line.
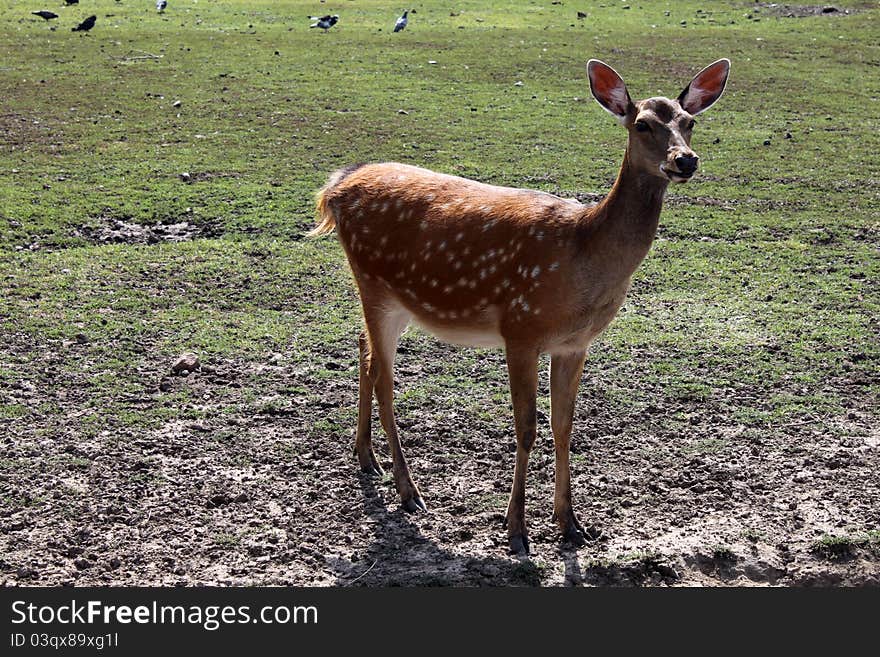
<point>758,303</point>
<point>723,554</point>
<point>841,546</point>
<point>225,540</point>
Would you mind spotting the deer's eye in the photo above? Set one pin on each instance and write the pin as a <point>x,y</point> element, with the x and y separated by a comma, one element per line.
<point>691,124</point>
<point>641,126</point>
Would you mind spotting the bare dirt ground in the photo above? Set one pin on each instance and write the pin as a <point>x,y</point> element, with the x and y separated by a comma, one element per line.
<point>267,499</point>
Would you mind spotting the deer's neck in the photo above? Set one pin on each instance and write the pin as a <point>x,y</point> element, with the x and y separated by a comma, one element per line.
<point>625,222</point>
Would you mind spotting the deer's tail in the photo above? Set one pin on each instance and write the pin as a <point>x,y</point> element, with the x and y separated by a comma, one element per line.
<point>326,218</point>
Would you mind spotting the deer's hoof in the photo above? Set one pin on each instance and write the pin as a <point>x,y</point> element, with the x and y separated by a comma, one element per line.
<point>578,536</point>
<point>373,469</point>
<point>573,532</point>
<point>574,536</point>
<point>519,545</point>
<point>369,463</point>
<point>415,505</point>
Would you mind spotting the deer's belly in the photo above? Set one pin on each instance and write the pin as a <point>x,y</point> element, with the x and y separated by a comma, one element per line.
<point>481,331</point>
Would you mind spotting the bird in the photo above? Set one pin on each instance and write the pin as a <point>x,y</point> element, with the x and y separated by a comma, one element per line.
<point>160,5</point>
<point>86,25</point>
<point>401,22</point>
<point>324,22</point>
<point>46,15</point>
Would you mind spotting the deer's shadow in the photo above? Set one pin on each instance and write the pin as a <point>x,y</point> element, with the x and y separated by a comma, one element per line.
<point>400,555</point>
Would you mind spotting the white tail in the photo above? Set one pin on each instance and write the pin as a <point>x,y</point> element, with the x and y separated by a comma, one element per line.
<point>481,265</point>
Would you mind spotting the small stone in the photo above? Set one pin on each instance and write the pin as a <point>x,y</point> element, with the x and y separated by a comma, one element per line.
<point>185,176</point>
<point>25,573</point>
<point>766,142</point>
<point>82,564</point>
<point>176,103</point>
<point>218,499</point>
<point>187,362</point>
<point>165,385</point>
<point>115,562</point>
<point>402,111</point>
<point>82,338</point>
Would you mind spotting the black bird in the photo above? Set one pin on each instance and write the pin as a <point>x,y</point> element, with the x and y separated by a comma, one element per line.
<point>401,22</point>
<point>324,22</point>
<point>47,15</point>
<point>86,25</point>
<point>71,2</point>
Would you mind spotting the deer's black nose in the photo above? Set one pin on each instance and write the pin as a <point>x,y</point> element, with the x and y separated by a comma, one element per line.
<point>687,164</point>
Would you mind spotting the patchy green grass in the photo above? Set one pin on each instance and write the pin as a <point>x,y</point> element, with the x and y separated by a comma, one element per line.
<point>768,283</point>
<point>227,540</point>
<point>842,546</point>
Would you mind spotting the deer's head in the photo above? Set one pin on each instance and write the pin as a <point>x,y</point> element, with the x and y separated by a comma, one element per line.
<point>659,128</point>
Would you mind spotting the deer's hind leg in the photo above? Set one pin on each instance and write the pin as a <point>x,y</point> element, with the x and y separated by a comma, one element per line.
<point>363,443</point>
<point>385,320</point>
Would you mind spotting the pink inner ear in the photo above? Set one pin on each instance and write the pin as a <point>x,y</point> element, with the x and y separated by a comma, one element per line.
<point>698,96</point>
<point>705,88</point>
<point>609,89</point>
<point>711,80</point>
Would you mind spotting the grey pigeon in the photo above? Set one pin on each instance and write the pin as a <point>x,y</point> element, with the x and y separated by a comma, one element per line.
<point>86,25</point>
<point>46,15</point>
<point>324,22</point>
<point>401,22</point>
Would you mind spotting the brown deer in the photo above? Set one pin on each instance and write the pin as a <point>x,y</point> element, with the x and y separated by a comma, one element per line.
<point>483,265</point>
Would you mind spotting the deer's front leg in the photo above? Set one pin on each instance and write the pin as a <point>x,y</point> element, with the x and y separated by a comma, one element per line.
<point>522,369</point>
<point>565,376</point>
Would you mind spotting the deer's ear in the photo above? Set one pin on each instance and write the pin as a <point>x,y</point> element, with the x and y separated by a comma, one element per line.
<point>706,87</point>
<point>608,88</point>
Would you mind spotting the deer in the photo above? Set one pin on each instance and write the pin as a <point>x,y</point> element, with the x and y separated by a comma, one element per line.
<point>482,265</point>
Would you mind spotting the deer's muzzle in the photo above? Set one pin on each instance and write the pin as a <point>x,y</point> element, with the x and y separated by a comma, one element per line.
<point>680,165</point>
